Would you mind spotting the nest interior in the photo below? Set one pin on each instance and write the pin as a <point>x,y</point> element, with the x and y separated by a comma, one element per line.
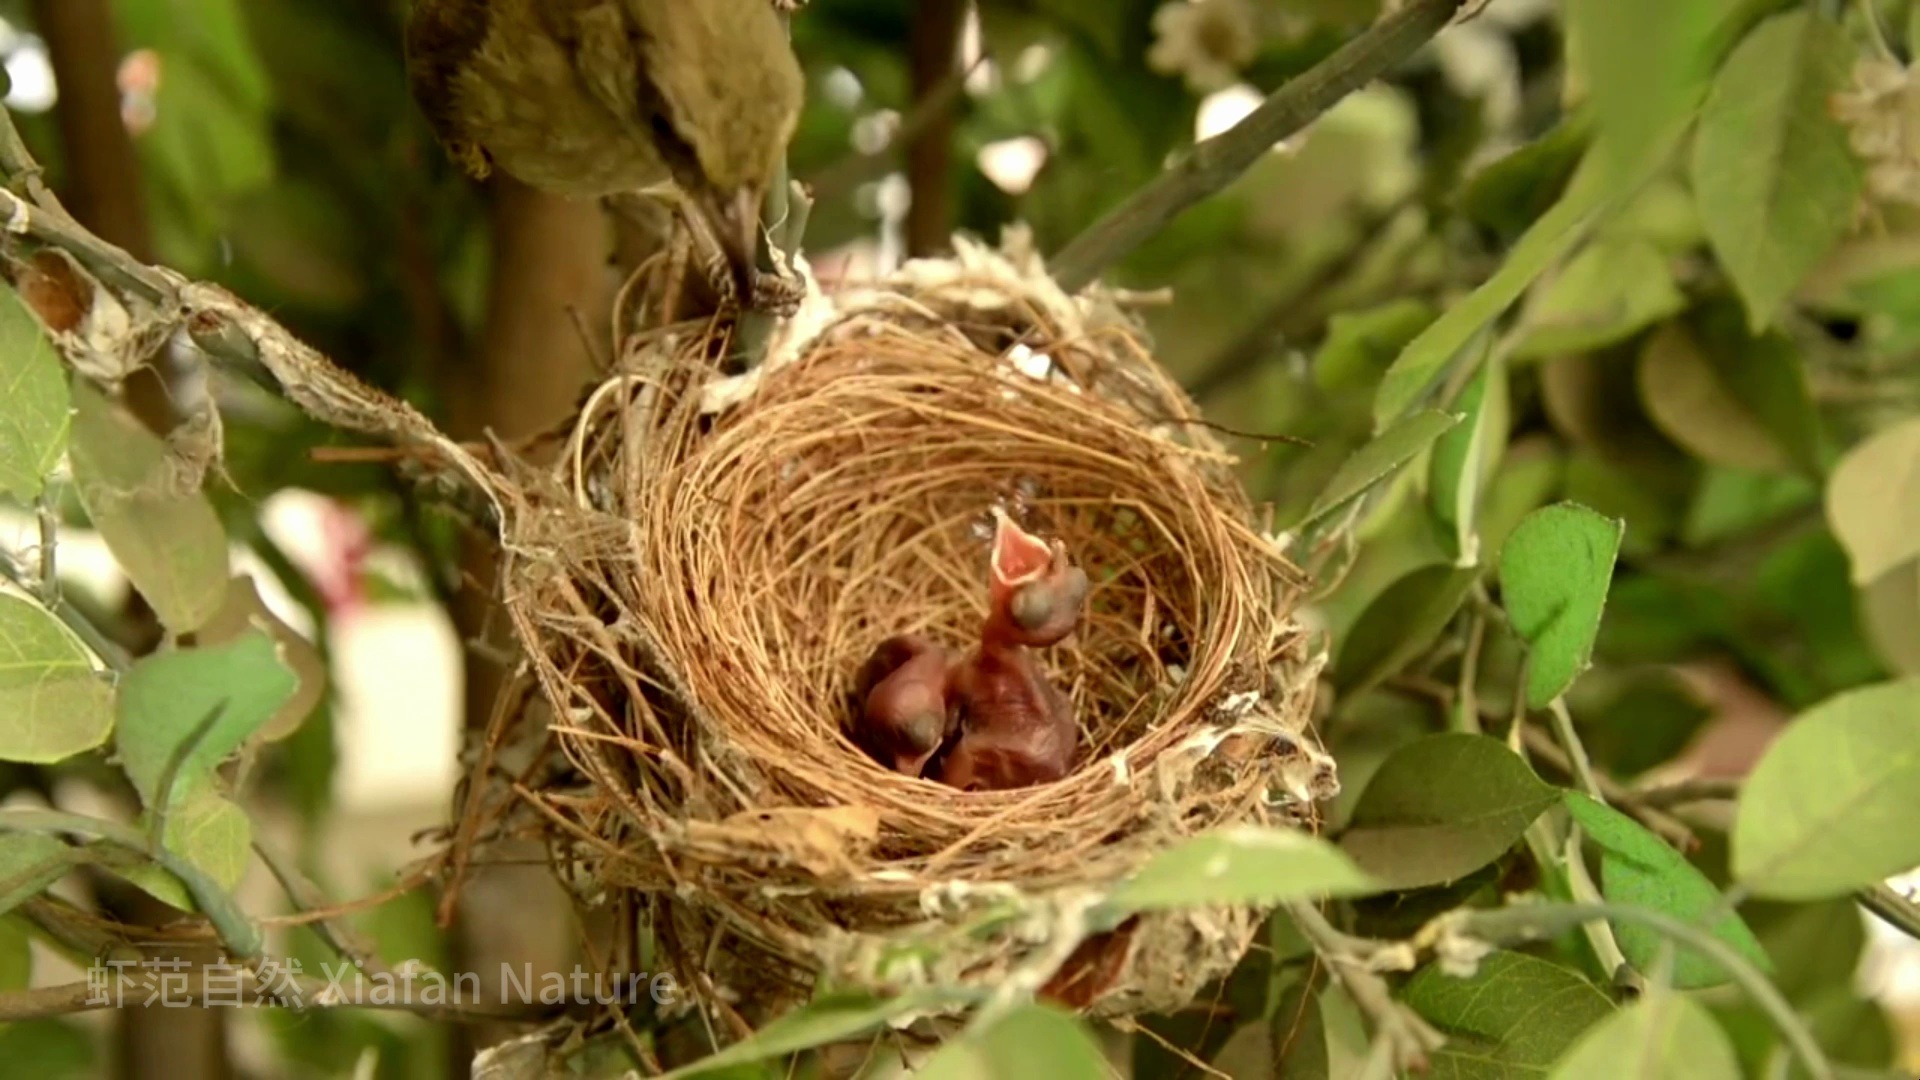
<point>698,582</point>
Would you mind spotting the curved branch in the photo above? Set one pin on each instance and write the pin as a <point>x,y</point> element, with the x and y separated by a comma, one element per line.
<point>1214,163</point>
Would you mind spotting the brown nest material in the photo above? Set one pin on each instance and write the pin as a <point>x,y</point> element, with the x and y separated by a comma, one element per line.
<point>698,582</point>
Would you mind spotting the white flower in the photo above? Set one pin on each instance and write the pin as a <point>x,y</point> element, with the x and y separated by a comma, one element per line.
<point>1882,115</point>
<point>1206,42</point>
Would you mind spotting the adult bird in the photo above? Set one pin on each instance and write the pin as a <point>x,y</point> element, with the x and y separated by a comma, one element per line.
<point>694,99</point>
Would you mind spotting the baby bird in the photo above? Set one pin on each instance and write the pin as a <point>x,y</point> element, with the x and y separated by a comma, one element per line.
<point>904,710</point>
<point>1014,728</point>
<point>587,98</point>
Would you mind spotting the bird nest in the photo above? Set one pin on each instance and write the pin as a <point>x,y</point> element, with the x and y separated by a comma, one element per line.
<point>697,584</point>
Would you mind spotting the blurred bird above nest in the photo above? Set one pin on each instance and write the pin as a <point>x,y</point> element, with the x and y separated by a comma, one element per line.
<point>992,720</point>
<point>694,100</point>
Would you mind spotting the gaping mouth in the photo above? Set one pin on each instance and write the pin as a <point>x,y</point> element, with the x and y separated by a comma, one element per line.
<point>1018,555</point>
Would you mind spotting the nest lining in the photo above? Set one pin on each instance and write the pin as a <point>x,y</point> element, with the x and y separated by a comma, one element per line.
<point>698,584</point>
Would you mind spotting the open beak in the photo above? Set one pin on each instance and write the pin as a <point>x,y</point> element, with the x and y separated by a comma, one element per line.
<point>1018,555</point>
<point>735,221</point>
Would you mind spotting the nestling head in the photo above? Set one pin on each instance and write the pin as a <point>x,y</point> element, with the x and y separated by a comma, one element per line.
<point>1034,593</point>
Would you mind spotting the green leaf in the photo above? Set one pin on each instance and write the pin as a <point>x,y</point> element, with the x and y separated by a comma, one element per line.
<point>34,409</point>
<point>1637,868</point>
<point>1646,64</point>
<point>1890,614</point>
<point>1755,381</point>
<point>164,534</point>
<point>1730,502</point>
<point>1664,213</point>
<point>1442,807</point>
<point>29,862</point>
<point>1514,1016</point>
<point>1608,292</point>
<point>1661,1036</point>
<point>1426,357</point>
<point>1512,192</point>
<point>1400,624</point>
<point>1772,170</point>
<point>1033,1040</point>
<point>212,833</point>
<point>1873,501</point>
<point>830,1018</point>
<point>1814,947</point>
<point>1242,864</point>
<point>142,872</point>
<point>1467,457</point>
<point>167,697</point>
<point>1554,573</point>
<point>1360,344</point>
<point>53,705</point>
<point>1831,805</point>
<point>1688,402</point>
<point>1389,451</point>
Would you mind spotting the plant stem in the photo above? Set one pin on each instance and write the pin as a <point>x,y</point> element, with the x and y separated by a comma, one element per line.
<point>1214,163</point>
<point>1410,1038</point>
<point>1466,709</point>
<point>1576,750</point>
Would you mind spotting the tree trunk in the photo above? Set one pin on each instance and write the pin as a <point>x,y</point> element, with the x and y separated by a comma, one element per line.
<point>933,52</point>
<point>550,286</point>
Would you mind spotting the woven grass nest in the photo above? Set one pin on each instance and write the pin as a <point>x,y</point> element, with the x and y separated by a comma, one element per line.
<point>699,580</point>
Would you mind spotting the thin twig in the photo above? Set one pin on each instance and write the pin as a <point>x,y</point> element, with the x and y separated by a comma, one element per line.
<point>1691,790</point>
<point>1214,163</point>
<point>306,898</point>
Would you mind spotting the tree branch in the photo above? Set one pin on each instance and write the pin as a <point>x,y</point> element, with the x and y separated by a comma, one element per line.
<point>1894,907</point>
<point>231,333</point>
<point>1216,162</point>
